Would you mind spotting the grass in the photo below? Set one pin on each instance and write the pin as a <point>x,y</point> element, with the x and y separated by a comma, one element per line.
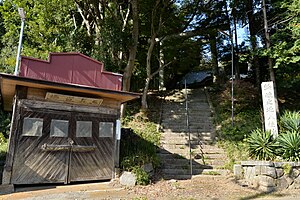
<point>139,145</point>
<point>3,150</point>
<point>247,117</point>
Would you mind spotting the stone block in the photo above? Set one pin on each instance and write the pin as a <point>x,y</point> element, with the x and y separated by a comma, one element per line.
<point>266,189</point>
<point>249,172</point>
<point>295,173</point>
<point>296,183</point>
<point>257,163</point>
<point>6,189</point>
<point>149,169</point>
<point>268,171</point>
<point>238,171</point>
<point>280,164</point>
<point>284,182</point>
<point>257,170</point>
<point>128,179</point>
<point>266,181</point>
<point>279,172</point>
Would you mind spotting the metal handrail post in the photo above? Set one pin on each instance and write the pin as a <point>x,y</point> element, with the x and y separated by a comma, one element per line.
<point>188,127</point>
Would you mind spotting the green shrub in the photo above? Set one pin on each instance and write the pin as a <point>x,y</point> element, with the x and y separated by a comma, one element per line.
<point>289,146</point>
<point>3,146</point>
<point>142,177</point>
<point>138,147</point>
<point>262,145</point>
<point>290,121</point>
<point>2,139</point>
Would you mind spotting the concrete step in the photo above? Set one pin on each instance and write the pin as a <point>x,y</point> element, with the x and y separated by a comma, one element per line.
<point>186,155</point>
<point>206,172</point>
<point>196,150</point>
<point>171,147</point>
<point>182,110</point>
<point>187,166</point>
<point>193,129</point>
<point>186,141</point>
<point>185,161</point>
<point>184,134</point>
<point>182,124</point>
<point>194,171</point>
<point>192,119</point>
<point>193,137</point>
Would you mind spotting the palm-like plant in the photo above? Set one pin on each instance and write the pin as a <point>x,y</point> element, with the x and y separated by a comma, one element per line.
<point>289,146</point>
<point>262,145</point>
<point>290,121</point>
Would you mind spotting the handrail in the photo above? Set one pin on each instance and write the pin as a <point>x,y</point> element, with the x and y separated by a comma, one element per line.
<point>161,112</point>
<point>188,127</point>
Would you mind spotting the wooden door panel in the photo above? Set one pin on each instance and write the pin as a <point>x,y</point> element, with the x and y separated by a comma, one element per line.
<point>33,162</point>
<point>98,163</point>
<point>92,165</point>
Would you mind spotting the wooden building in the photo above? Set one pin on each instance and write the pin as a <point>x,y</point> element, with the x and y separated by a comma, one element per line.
<point>65,123</point>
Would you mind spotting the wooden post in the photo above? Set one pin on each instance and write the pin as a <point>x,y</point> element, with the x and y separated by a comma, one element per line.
<point>7,171</point>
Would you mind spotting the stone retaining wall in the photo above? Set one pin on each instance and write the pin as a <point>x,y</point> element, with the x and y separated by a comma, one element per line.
<point>268,175</point>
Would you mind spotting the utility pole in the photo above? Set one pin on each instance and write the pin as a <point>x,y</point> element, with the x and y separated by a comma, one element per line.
<point>270,63</point>
<point>22,15</point>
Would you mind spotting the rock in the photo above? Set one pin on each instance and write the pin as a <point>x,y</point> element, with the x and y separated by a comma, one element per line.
<point>284,182</point>
<point>249,173</point>
<point>128,179</point>
<point>149,169</point>
<point>296,184</point>
<point>279,172</point>
<point>295,173</point>
<point>256,163</point>
<point>266,189</point>
<point>266,181</point>
<point>238,171</point>
<point>268,171</point>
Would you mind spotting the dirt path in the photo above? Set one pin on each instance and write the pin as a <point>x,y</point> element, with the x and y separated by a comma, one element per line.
<point>201,187</point>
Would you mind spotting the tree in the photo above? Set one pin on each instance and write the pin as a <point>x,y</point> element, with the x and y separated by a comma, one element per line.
<point>48,28</point>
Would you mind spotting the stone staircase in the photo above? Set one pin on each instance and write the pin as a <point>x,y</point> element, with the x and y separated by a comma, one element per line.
<point>207,158</point>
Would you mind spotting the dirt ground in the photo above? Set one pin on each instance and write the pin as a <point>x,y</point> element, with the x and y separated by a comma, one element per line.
<point>201,187</point>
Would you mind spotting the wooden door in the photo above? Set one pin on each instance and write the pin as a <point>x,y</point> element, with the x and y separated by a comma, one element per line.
<point>42,147</point>
<point>63,147</point>
<point>92,153</point>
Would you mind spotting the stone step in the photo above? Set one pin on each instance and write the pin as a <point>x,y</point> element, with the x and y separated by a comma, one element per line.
<point>187,154</point>
<point>171,147</point>
<point>186,149</point>
<point>184,161</point>
<point>187,166</point>
<point>206,172</point>
<point>183,134</point>
<point>191,109</point>
<point>186,141</point>
<point>195,136</point>
<point>194,171</point>
<point>182,124</point>
<point>192,119</point>
<point>184,130</point>
<point>205,148</point>
<point>202,140</point>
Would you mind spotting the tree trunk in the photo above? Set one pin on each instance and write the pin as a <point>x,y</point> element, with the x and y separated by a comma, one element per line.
<point>148,69</point>
<point>268,44</point>
<point>132,50</point>
<point>254,60</point>
<point>214,56</point>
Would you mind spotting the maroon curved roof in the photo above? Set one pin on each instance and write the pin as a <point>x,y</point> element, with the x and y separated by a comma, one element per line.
<point>72,68</point>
